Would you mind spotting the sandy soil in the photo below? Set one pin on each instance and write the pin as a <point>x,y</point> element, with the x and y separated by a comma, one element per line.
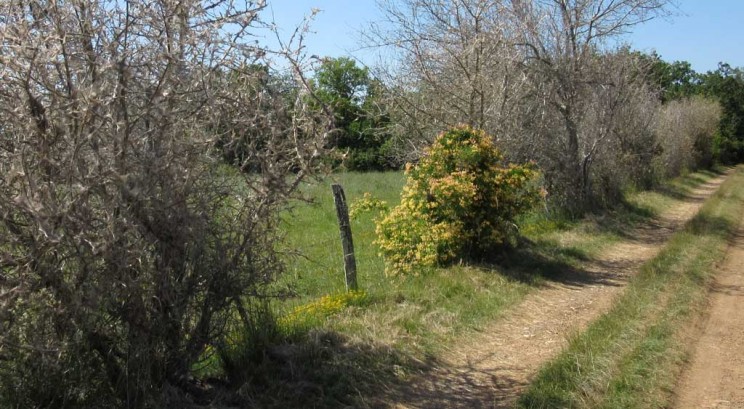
<point>493,367</point>
<point>715,375</point>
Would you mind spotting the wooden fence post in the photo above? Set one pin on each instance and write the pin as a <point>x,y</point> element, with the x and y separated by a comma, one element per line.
<point>342,212</point>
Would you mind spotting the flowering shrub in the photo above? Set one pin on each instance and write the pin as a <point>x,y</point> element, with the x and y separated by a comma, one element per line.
<point>366,203</point>
<point>459,201</point>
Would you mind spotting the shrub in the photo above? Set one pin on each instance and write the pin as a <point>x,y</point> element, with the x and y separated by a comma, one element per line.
<point>460,201</point>
<point>125,248</point>
<point>686,130</point>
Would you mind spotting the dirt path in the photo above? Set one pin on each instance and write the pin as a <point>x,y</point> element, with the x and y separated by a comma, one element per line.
<point>493,368</point>
<point>715,376</point>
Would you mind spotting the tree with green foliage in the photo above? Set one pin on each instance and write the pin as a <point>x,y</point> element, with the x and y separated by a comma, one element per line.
<point>727,85</point>
<point>675,80</point>
<point>361,120</point>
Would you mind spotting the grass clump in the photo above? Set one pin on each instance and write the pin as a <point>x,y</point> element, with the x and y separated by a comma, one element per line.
<point>629,356</point>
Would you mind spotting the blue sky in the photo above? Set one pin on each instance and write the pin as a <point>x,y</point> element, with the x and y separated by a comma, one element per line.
<point>702,32</point>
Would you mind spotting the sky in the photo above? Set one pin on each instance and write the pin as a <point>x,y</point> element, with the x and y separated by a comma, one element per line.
<point>703,32</point>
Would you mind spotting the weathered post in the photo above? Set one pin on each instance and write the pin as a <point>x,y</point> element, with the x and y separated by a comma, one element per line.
<point>342,212</point>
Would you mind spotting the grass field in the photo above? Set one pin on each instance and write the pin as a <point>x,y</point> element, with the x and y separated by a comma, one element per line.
<point>316,268</point>
<point>313,247</point>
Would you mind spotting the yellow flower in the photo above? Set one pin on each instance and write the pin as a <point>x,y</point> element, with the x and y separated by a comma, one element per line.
<point>323,307</point>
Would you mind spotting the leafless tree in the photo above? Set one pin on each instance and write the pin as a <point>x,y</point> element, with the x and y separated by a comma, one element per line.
<point>614,132</point>
<point>562,40</point>
<point>454,65</point>
<point>531,73</point>
<point>124,248</point>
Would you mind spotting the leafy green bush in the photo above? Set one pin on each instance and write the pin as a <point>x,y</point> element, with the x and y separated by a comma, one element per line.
<point>460,201</point>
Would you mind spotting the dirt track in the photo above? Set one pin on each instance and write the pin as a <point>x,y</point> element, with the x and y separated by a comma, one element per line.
<point>493,368</point>
<point>715,376</point>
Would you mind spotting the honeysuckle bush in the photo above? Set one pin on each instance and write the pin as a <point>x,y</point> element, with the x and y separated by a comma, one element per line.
<point>459,202</point>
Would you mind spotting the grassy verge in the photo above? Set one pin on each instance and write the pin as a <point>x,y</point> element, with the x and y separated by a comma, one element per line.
<point>631,355</point>
<point>592,234</point>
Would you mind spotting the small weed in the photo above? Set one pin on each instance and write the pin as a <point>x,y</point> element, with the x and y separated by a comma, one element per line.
<point>310,315</point>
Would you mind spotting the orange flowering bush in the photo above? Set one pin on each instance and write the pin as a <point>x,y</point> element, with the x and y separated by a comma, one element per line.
<point>459,201</point>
